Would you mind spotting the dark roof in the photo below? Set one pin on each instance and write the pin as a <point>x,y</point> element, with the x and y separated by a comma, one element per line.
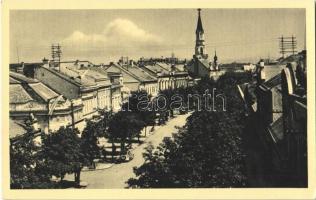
<point>14,65</point>
<point>137,73</point>
<point>22,78</point>
<point>23,89</point>
<point>276,129</point>
<point>63,76</point>
<point>140,74</point>
<point>14,81</point>
<point>273,82</point>
<point>199,27</point>
<point>205,63</point>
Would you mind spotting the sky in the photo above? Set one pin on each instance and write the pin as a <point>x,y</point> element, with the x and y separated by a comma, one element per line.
<point>102,36</point>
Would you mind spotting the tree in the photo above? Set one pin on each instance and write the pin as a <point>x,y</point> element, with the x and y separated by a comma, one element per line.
<point>25,168</point>
<point>89,140</point>
<point>62,153</point>
<point>125,125</point>
<point>204,154</point>
<point>148,117</point>
<point>168,93</point>
<point>207,152</point>
<point>140,104</point>
<point>103,124</point>
<point>23,163</point>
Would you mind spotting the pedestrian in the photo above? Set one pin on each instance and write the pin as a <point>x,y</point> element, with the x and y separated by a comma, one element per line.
<point>113,151</point>
<point>104,153</point>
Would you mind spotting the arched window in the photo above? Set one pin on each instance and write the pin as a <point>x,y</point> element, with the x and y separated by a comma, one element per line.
<point>201,50</point>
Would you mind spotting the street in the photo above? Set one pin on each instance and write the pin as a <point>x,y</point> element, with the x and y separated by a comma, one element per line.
<point>118,174</point>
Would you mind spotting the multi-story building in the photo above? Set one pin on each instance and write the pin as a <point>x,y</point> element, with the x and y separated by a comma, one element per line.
<point>115,92</point>
<point>280,121</point>
<point>169,76</point>
<point>134,78</point>
<point>71,85</point>
<point>78,79</point>
<point>51,110</point>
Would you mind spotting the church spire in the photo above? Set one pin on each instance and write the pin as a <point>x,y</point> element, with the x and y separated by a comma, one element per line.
<point>199,27</point>
<point>199,42</point>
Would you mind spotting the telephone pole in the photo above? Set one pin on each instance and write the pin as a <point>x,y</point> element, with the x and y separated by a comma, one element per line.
<point>56,55</point>
<point>287,45</point>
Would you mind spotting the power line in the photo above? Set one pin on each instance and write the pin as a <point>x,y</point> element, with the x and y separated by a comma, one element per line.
<point>287,45</point>
<point>56,54</point>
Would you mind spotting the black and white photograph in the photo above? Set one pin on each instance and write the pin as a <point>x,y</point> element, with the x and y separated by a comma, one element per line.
<point>158,98</point>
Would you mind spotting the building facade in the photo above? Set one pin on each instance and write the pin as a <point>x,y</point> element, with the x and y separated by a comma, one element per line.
<point>282,123</point>
<point>32,97</point>
<point>134,78</point>
<point>168,75</point>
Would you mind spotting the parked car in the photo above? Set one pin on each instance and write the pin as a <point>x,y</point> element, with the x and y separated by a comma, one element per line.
<point>125,157</point>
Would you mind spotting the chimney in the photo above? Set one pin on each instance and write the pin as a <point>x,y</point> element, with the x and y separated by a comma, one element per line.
<point>20,68</point>
<point>131,63</point>
<point>51,64</point>
<point>45,62</point>
<point>261,76</point>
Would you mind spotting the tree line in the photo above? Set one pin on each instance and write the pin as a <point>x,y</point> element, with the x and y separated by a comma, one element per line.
<point>66,151</point>
<point>207,151</point>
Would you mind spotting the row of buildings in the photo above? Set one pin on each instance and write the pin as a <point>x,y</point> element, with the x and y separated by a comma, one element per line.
<point>69,93</point>
<point>276,101</point>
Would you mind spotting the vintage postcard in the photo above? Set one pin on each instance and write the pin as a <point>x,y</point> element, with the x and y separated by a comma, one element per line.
<point>158,99</point>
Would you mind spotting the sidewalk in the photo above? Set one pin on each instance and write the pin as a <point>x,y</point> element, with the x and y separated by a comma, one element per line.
<point>98,166</point>
<point>117,175</point>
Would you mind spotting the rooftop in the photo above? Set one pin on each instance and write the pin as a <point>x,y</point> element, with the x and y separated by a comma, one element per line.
<point>14,81</point>
<point>21,78</point>
<point>276,129</point>
<point>272,70</point>
<point>273,82</point>
<point>25,89</point>
<point>86,75</point>
<point>18,94</point>
<point>43,91</point>
<point>205,62</point>
<point>155,69</point>
<point>138,73</point>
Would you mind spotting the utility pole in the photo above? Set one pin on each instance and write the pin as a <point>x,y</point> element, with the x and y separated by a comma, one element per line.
<point>56,54</point>
<point>17,54</point>
<point>72,114</point>
<point>293,45</point>
<point>287,45</point>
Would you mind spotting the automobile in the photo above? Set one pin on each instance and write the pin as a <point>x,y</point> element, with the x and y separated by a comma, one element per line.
<point>125,157</point>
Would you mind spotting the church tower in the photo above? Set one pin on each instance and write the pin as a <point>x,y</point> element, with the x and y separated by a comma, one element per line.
<point>199,42</point>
